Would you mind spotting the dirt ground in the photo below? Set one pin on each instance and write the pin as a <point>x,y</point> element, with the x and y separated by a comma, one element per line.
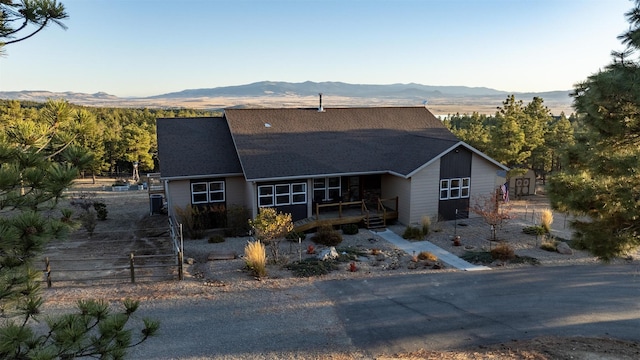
<point>130,228</point>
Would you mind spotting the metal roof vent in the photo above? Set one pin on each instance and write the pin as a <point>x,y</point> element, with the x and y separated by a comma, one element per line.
<point>267,125</point>
<point>320,108</point>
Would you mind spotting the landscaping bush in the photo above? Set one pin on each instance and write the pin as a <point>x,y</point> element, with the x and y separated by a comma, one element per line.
<point>215,239</point>
<point>237,221</point>
<point>255,257</point>
<point>191,221</point>
<point>327,236</point>
<point>425,255</point>
<point>350,229</point>
<point>549,245</point>
<point>477,257</point>
<point>101,210</point>
<point>503,252</point>
<point>426,225</point>
<point>534,230</point>
<point>311,267</point>
<point>294,236</point>
<point>546,219</point>
<point>412,233</point>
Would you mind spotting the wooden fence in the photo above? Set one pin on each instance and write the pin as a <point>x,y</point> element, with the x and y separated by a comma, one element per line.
<point>132,268</point>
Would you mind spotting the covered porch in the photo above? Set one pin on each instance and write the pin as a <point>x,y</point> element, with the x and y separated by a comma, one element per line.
<point>372,215</point>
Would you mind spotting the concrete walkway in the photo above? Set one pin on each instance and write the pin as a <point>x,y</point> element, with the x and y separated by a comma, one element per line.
<point>415,247</point>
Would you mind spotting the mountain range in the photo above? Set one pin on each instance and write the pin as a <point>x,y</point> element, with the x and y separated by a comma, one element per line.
<point>286,94</point>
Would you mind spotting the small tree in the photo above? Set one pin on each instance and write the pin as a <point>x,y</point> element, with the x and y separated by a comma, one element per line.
<point>271,227</point>
<point>493,210</point>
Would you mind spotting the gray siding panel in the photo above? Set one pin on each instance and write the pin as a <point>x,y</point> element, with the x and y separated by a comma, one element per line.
<point>424,193</point>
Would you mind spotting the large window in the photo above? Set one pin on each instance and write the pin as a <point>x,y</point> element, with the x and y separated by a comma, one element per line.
<point>205,192</point>
<point>282,194</point>
<point>326,189</point>
<point>457,188</point>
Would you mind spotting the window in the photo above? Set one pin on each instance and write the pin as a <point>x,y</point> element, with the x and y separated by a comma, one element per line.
<point>327,189</point>
<point>282,194</point>
<point>299,193</point>
<point>444,189</point>
<point>457,188</point>
<point>207,192</point>
<point>265,195</point>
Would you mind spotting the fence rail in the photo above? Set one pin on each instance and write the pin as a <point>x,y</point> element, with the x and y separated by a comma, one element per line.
<point>134,268</point>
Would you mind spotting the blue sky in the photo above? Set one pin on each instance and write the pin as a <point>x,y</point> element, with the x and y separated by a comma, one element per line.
<point>150,47</point>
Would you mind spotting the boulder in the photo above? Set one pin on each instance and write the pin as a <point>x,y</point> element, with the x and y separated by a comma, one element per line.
<point>328,254</point>
<point>563,248</point>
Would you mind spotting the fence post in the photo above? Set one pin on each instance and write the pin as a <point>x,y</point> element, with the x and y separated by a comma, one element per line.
<point>133,275</point>
<point>180,266</point>
<point>48,271</point>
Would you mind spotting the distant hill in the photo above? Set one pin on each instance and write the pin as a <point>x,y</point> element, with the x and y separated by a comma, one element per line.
<point>440,99</point>
<point>309,88</point>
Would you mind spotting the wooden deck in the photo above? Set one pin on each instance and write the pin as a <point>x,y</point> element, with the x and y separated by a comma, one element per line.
<point>350,213</point>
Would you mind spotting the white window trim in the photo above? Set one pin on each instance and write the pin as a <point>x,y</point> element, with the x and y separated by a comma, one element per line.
<point>276,194</point>
<point>271,196</point>
<point>208,192</point>
<point>291,194</point>
<point>460,188</point>
<point>194,193</point>
<point>303,192</point>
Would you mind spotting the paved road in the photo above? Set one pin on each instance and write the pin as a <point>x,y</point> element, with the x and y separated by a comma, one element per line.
<point>448,310</point>
<point>391,314</point>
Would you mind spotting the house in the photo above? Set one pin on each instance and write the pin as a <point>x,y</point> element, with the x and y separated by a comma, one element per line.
<point>299,160</point>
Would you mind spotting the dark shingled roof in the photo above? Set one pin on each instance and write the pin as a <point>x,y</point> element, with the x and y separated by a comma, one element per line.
<point>190,147</point>
<point>282,143</point>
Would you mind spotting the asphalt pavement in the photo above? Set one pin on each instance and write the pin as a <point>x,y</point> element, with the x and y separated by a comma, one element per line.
<point>391,314</point>
<point>461,309</point>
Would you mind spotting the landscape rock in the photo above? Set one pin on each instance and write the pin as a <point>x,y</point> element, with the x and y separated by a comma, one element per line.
<point>563,248</point>
<point>328,254</point>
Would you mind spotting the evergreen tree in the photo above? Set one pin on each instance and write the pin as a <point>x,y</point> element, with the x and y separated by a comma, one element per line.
<point>602,178</point>
<point>38,160</point>
<point>507,136</point>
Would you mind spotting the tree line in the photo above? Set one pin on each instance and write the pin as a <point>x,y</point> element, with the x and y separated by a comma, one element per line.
<point>519,135</point>
<point>105,140</point>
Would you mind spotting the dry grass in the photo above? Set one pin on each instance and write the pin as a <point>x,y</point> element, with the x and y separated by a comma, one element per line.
<point>546,219</point>
<point>426,224</point>
<point>425,255</point>
<point>256,258</point>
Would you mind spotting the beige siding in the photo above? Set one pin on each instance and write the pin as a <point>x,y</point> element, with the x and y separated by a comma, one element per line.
<point>484,179</point>
<point>179,194</point>
<point>393,186</point>
<point>235,189</point>
<point>424,193</point>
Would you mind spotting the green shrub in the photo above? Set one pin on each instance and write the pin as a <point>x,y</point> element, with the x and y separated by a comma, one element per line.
<point>412,233</point>
<point>549,245</point>
<point>478,257</point>
<point>503,252</point>
<point>350,229</point>
<point>215,239</point>
<point>327,236</point>
<point>534,230</point>
<point>311,267</point>
<point>294,236</point>
<point>101,210</point>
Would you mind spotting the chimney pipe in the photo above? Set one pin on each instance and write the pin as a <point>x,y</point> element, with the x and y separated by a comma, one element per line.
<point>320,109</point>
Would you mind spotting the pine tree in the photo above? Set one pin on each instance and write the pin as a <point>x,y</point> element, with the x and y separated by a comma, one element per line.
<point>602,177</point>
